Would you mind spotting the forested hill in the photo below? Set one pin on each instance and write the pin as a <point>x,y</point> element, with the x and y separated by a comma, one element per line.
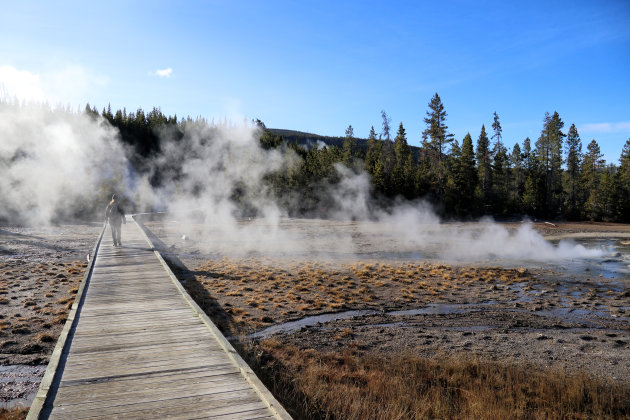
<point>307,140</point>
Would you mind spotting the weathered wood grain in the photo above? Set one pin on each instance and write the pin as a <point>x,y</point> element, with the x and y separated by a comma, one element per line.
<point>138,349</point>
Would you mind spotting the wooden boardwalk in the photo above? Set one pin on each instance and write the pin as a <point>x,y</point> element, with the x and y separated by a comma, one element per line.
<point>138,347</point>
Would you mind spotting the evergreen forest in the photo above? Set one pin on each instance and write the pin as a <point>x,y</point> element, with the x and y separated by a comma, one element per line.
<point>551,177</point>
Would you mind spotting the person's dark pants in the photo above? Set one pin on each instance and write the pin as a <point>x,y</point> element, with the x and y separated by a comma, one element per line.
<point>115,227</point>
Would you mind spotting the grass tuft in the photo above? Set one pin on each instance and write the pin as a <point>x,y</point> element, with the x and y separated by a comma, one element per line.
<point>17,413</point>
<point>351,385</point>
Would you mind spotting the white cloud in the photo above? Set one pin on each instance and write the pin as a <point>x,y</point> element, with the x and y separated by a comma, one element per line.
<point>168,72</point>
<point>69,85</point>
<point>606,127</point>
<point>20,84</point>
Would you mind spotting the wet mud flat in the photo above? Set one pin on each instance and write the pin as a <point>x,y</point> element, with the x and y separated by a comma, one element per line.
<point>386,298</point>
<point>40,270</point>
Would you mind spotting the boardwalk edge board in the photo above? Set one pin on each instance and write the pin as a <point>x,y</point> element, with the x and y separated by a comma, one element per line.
<point>244,368</point>
<point>62,342</point>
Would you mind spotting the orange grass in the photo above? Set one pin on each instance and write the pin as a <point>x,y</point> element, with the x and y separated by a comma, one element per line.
<point>351,385</point>
<point>17,413</point>
<point>308,287</point>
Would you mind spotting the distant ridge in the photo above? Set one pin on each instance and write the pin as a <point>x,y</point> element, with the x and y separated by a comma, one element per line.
<point>309,139</point>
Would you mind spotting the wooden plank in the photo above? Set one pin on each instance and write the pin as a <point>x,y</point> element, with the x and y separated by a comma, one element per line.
<point>137,349</point>
<point>124,395</point>
<point>107,390</point>
<point>156,351</point>
<point>105,368</point>
<point>123,315</point>
<point>155,399</point>
<point>130,360</point>
<point>142,333</point>
<point>165,347</point>
<point>189,406</point>
<point>161,376</point>
<point>137,346</point>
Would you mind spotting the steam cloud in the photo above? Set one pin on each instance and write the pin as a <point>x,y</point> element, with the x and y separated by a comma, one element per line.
<point>55,164</point>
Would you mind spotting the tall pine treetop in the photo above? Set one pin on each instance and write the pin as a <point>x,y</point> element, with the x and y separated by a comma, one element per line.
<point>436,135</point>
<point>496,127</point>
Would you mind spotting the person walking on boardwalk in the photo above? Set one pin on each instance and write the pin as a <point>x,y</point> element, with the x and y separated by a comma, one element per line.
<point>115,215</point>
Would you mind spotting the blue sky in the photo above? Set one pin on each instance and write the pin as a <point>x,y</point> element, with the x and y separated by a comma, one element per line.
<point>319,66</point>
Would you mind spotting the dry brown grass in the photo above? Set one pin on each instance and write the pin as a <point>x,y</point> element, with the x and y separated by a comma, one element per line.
<point>309,288</point>
<point>352,385</point>
<point>17,413</point>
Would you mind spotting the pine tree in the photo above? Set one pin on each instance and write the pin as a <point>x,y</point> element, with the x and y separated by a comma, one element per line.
<point>409,173</point>
<point>518,178</point>
<point>606,195</point>
<point>452,201</point>
<point>529,160</point>
<point>373,153</point>
<point>434,139</point>
<point>534,186</point>
<point>378,177</point>
<point>401,152</point>
<point>500,170</point>
<point>386,122</point>
<point>484,170</point>
<point>468,175</point>
<point>496,127</point>
<point>387,157</point>
<point>91,112</point>
<point>623,175</point>
<point>401,147</point>
<point>500,177</point>
<point>348,147</point>
<point>592,166</point>
<point>549,153</point>
<point>574,163</point>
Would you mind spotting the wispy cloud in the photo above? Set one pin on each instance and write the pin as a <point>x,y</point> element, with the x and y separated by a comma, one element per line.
<point>68,85</point>
<point>20,84</point>
<point>606,127</point>
<point>168,72</point>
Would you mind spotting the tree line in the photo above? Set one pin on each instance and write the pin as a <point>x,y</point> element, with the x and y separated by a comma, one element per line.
<point>551,177</point>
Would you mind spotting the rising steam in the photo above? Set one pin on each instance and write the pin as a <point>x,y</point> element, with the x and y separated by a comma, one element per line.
<point>55,165</point>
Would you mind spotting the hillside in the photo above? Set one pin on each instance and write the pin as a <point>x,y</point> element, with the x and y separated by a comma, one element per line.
<point>309,139</point>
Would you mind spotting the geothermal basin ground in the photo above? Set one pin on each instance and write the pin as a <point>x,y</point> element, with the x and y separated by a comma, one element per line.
<point>484,290</point>
<point>383,290</point>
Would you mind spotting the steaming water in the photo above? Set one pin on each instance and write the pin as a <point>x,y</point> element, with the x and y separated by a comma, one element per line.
<point>479,244</point>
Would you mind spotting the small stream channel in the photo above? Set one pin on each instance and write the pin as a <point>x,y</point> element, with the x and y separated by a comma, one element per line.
<point>564,314</point>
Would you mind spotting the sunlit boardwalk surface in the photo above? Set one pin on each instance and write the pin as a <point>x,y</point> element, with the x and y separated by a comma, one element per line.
<point>139,349</point>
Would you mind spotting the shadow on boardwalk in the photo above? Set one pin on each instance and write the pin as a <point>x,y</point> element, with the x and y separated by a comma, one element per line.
<point>188,278</point>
